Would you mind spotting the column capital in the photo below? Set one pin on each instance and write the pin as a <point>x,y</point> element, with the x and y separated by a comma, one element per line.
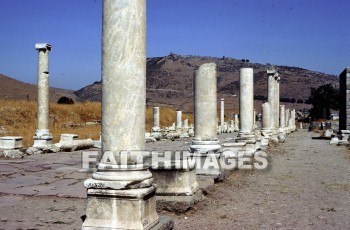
<point>43,46</point>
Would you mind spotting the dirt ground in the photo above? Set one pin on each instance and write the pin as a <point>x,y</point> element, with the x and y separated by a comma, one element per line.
<point>306,186</point>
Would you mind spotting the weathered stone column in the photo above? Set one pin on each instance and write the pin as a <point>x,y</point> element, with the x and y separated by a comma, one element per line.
<point>205,117</point>
<point>222,112</point>
<point>120,193</point>
<point>178,119</point>
<point>156,126</point>
<point>254,119</point>
<point>205,103</point>
<point>271,89</point>
<point>246,100</point>
<point>266,119</point>
<point>186,124</point>
<point>236,122</point>
<point>277,100</point>
<point>287,120</point>
<point>43,137</point>
<point>282,117</point>
<point>292,115</point>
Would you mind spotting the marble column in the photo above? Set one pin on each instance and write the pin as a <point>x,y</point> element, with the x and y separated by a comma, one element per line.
<point>254,119</point>
<point>282,116</point>
<point>246,100</point>
<point>178,119</point>
<point>236,122</point>
<point>271,89</point>
<point>120,193</point>
<point>185,124</point>
<point>246,106</point>
<point>287,120</point>
<point>205,118</point>
<point>277,100</point>
<point>293,126</point>
<point>266,119</point>
<point>43,137</point>
<point>156,126</point>
<point>222,112</point>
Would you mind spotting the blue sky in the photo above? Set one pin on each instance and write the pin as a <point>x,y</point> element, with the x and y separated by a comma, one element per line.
<point>312,34</point>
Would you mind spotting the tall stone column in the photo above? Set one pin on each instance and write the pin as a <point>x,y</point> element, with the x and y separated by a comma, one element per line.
<point>277,100</point>
<point>236,122</point>
<point>292,115</point>
<point>282,117</point>
<point>271,89</point>
<point>178,119</point>
<point>222,112</point>
<point>246,100</point>
<point>156,124</point>
<point>43,137</point>
<point>185,126</point>
<point>120,193</point>
<point>254,119</point>
<point>205,117</point>
<point>246,107</point>
<point>266,119</point>
<point>287,120</point>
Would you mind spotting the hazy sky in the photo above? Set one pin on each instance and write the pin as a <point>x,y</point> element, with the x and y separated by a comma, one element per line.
<point>312,34</point>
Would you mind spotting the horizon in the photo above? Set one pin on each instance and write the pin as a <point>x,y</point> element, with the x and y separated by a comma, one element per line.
<point>301,34</point>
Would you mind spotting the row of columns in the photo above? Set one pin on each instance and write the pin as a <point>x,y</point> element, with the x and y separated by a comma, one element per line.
<point>120,186</point>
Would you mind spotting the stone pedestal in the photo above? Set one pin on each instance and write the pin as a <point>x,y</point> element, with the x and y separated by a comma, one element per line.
<point>103,213</point>
<point>11,142</point>
<point>11,146</point>
<point>68,138</point>
<point>177,187</point>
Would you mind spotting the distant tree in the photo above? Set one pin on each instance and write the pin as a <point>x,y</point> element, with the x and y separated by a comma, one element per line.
<point>300,101</point>
<point>292,100</point>
<point>323,99</point>
<point>65,100</point>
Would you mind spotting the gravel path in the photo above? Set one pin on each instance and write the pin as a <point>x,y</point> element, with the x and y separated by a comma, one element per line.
<point>307,186</point>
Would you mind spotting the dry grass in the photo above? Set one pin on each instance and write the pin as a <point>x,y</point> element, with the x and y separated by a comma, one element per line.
<point>167,117</point>
<point>19,118</point>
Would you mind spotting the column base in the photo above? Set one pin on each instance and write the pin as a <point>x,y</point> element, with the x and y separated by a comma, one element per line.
<point>205,146</point>
<point>42,139</point>
<point>42,142</point>
<point>249,139</point>
<point>209,165</point>
<point>178,203</point>
<point>121,209</point>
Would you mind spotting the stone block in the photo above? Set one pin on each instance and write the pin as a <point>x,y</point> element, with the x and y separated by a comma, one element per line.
<point>121,209</point>
<point>67,137</point>
<point>11,142</point>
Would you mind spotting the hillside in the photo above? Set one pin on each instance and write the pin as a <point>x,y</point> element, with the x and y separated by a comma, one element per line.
<point>170,82</point>
<point>13,89</point>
